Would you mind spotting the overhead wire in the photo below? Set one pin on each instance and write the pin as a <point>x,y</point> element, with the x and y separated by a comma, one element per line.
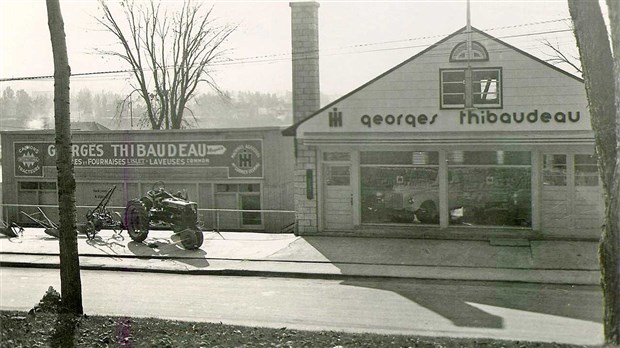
<point>323,52</point>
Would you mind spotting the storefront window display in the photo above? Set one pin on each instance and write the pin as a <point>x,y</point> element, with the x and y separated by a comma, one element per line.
<point>490,188</point>
<point>399,187</point>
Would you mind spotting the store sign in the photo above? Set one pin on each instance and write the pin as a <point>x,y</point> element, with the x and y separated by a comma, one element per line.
<point>246,159</point>
<point>345,118</point>
<point>243,158</point>
<point>534,116</point>
<point>471,118</point>
<point>28,159</point>
<point>484,119</point>
<point>410,120</point>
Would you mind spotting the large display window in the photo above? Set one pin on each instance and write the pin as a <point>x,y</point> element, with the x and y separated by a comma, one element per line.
<point>490,188</point>
<point>399,187</point>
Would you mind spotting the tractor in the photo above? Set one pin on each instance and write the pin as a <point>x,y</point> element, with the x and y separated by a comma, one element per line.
<point>160,207</point>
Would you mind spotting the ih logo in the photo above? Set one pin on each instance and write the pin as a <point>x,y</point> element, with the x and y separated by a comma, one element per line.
<point>28,160</point>
<point>335,118</point>
<point>246,159</point>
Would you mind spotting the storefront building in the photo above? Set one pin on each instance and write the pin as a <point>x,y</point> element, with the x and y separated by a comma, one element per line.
<point>471,138</point>
<point>241,178</point>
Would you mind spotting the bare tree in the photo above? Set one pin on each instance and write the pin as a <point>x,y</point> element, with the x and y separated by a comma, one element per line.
<point>170,55</point>
<point>70,281</point>
<point>557,56</point>
<point>602,82</point>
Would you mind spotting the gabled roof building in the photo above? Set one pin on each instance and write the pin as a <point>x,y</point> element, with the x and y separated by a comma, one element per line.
<point>471,138</point>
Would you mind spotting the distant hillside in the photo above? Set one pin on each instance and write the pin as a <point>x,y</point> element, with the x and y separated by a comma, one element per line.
<point>21,110</point>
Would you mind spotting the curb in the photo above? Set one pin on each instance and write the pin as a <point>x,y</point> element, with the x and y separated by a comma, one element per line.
<point>310,270</point>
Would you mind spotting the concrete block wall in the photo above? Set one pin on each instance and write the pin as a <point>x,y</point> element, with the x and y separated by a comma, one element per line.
<point>306,209</point>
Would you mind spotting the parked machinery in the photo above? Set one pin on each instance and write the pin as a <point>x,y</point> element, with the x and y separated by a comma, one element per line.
<point>53,229</point>
<point>101,217</point>
<point>159,206</point>
<point>11,229</point>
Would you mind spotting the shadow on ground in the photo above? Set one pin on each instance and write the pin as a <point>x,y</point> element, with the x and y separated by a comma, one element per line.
<point>164,248</point>
<point>451,299</point>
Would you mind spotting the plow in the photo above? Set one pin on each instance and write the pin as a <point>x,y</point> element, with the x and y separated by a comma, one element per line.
<point>11,229</point>
<point>42,220</point>
<point>158,207</point>
<point>96,219</point>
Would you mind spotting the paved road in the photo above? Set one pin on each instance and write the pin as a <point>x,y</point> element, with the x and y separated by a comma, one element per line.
<point>526,312</point>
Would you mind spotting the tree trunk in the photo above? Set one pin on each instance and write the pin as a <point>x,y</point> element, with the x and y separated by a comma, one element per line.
<point>602,90</point>
<point>70,282</point>
<point>614,207</point>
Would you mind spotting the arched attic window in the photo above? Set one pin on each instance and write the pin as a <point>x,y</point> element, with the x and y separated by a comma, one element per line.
<point>478,52</point>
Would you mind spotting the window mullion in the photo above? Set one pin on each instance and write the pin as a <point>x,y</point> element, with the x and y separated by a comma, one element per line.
<point>468,88</point>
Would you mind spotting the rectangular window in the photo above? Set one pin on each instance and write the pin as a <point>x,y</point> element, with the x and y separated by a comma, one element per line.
<point>400,157</point>
<point>486,87</point>
<point>400,187</point>
<point>336,156</point>
<point>490,188</point>
<point>249,187</point>
<point>554,170</point>
<point>452,88</point>
<point>34,186</point>
<point>28,185</point>
<point>250,202</point>
<point>402,195</point>
<point>338,175</point>
<point>586,170</point>
<point>226,188</point>
<point>489,158</point>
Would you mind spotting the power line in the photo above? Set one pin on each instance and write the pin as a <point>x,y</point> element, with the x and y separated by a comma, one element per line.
<point>409,39</point>
<point>441,36</point>
<point>287,56</point>
<point>72,75</point>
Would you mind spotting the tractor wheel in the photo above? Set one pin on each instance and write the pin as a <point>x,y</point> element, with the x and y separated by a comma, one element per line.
<point>137,220</point>
<point>191,238</point>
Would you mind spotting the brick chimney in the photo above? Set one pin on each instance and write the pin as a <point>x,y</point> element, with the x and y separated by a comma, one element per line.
<point>305,44</point>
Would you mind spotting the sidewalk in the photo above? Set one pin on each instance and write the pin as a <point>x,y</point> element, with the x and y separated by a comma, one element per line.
<point>287,255</point>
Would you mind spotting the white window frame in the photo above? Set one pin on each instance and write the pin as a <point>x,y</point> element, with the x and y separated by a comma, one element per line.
<point>498,89</point>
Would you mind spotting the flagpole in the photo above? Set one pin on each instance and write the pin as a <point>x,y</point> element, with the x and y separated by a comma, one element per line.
<point>468,72</point>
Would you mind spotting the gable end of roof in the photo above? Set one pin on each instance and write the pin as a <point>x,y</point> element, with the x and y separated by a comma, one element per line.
<point>292,130</point>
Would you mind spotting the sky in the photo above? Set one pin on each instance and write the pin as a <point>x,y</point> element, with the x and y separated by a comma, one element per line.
<point>358,39</point>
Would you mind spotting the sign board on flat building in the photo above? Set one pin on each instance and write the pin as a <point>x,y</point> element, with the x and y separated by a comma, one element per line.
<point>243,158</point>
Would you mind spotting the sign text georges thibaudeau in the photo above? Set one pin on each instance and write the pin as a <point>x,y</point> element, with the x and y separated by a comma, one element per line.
<point>31,157</point>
